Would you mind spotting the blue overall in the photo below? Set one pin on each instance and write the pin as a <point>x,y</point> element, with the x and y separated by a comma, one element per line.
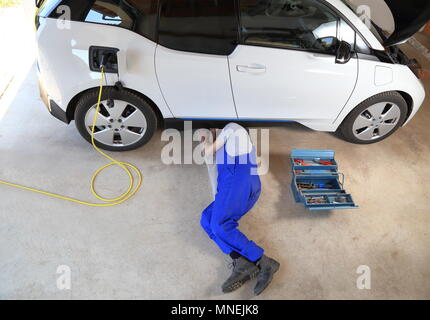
<point>237,192</point>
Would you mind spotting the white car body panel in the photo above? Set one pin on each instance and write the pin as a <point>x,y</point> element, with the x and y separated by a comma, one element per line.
<point>301,84</point>
<point>403,79</point>
<point>63,60</point>
<point>195,85</point>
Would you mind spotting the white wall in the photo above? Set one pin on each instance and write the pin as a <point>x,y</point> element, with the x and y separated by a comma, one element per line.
<point>380,12</point>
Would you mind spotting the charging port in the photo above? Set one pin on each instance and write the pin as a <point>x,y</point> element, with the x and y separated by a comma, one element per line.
<point>103,55</point>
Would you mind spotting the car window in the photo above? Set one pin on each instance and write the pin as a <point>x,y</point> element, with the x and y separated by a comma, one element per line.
<point>346,33</point>
<point>46,7</point>
<point>290,24</point>
<point>372,25</point>
<point>204,26</point>
<point>361,46</point>
<point>117,13</point>
<point>139,16</point>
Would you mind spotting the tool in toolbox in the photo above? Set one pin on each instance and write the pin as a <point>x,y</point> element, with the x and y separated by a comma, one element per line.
<point>340,200</point>
<point>313,162</point>
<point>311,186</point>
<point>317,183</point>
<point>317,200</point>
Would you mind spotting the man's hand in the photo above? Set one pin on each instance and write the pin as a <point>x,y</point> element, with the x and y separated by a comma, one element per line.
<point>210,142</point>
<point>208,136</point>
<point>213,131</point>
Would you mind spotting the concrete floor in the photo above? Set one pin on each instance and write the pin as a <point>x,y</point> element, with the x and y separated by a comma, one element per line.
<point>153,246</point>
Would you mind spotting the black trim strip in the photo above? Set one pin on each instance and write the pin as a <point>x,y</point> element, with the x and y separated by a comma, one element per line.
<point>57,112</point>
<point>177,123</point>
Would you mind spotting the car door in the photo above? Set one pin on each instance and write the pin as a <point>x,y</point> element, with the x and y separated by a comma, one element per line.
<point>195,39</point>
<point>285,67</point>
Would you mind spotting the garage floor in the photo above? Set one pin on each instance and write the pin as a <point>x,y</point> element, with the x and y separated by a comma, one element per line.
<point>153,246</point>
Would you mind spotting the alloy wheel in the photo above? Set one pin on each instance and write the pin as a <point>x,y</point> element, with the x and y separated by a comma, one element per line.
<point>119,123</point>
<point>376,121</point>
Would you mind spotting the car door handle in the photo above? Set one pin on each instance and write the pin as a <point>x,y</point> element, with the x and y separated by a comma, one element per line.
<point>252,68</point>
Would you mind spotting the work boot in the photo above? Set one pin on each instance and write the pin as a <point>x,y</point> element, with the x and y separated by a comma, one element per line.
<point>267,267</point>
<point>243,270</point>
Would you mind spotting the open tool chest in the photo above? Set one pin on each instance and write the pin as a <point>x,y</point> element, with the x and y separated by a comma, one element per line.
<point>317,182</point>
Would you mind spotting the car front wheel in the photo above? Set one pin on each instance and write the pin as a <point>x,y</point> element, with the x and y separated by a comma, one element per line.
<point>125,120</point>
<point>375,119</point>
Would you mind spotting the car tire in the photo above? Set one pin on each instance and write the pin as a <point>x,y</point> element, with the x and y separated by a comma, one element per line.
<point>125,116</point>
<point>375,119</point>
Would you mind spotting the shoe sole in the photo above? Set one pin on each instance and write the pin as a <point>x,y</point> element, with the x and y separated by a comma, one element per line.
<point>270,280</point>
<point>241,282</point>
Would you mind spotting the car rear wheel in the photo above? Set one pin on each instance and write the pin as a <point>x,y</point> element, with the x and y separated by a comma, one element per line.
<point>125,120</point>
<point>375,119</point>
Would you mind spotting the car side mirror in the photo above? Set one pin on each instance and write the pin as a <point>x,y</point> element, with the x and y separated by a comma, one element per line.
<point>344,52</point>
<point>326,45</point>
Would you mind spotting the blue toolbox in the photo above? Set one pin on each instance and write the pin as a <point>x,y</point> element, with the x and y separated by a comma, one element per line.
<point>317,182</point>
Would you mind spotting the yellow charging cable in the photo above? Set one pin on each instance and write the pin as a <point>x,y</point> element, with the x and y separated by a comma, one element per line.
<point>124,165</point>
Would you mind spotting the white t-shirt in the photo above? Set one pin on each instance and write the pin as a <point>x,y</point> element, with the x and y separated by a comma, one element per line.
<point>237,142</point>
<point>236,139</point>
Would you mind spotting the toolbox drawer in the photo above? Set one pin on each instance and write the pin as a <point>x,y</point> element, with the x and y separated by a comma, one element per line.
<point>319,186</point>
<point>319,183</point>
<point>338,201</point>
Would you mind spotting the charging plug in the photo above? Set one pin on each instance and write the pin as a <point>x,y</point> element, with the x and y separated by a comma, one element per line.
<point>104,59</point>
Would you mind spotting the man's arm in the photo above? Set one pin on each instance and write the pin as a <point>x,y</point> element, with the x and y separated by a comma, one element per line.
<point>212,148</point>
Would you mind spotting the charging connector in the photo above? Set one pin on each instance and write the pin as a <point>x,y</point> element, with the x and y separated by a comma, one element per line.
<point>103,57</point>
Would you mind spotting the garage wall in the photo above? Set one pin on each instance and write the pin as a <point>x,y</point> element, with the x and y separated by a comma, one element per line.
<point>380,13</point>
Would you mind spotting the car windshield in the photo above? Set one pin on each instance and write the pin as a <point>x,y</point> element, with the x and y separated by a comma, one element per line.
<point>374,28</point>
<point>46,6</point>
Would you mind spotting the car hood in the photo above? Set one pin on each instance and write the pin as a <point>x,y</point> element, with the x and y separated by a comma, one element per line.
<point>409,17</point>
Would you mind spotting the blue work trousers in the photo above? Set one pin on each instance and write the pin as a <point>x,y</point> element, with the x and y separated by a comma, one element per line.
<point>237,192</point>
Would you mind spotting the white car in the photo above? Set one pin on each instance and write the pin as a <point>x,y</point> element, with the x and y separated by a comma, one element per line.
<point>315,62</point>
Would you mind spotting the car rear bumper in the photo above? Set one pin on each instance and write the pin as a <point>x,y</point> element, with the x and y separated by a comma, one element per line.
<point>43,93</point>
<point>50,104</point>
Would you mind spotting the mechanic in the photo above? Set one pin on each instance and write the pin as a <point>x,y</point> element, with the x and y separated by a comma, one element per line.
<point>231,160</point>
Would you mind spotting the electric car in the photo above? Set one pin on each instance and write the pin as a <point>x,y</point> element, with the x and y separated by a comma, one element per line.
<point>315,62</point>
